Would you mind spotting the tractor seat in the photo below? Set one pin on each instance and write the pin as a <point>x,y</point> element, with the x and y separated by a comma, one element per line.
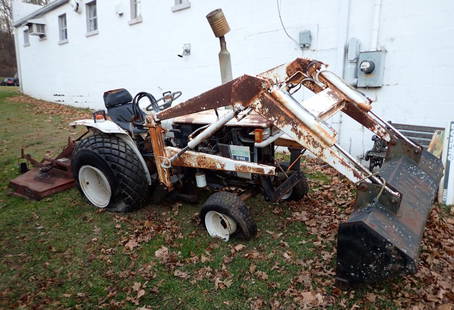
<point>123,112</point>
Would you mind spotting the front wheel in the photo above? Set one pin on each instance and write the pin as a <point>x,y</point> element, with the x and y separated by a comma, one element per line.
<point>224,214</point>
<point>109,173</point>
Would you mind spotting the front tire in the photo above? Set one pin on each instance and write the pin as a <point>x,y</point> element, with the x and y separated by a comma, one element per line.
<point>109,174</point>
<point>225,214</point>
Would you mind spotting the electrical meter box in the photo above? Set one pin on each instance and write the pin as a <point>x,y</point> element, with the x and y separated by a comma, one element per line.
<point>371,65</point>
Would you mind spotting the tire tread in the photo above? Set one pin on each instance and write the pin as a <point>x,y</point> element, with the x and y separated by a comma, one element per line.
<point>126,167</point>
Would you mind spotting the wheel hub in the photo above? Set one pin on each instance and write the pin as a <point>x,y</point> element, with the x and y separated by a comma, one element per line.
<point>95,186</point>
<point>219,225</point>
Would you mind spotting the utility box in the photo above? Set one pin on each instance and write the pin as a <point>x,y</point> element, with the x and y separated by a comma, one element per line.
<point>371,65</point>
<point>305,38</point>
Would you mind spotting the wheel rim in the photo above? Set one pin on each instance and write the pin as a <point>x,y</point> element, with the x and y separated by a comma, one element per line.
<point>95,186</point>
<point>287,196</point>
<point>219,225</point>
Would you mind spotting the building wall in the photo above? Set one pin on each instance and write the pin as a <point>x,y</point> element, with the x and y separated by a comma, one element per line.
<point>416,34</point>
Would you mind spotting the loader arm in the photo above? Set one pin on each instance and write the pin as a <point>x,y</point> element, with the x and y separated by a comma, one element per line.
<point>304,122</point>
<point>381,239</point>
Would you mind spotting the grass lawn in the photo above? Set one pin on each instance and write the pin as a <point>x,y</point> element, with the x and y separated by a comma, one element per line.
<point>63,253</point>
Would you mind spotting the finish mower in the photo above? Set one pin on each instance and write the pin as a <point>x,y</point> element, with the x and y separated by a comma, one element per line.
<point>227,136</point>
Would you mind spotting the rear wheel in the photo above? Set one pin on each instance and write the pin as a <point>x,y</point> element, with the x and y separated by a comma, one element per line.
<point>109,173</point>
<point>300,190</point>
<point>224,214</point>
<point>297,192</point>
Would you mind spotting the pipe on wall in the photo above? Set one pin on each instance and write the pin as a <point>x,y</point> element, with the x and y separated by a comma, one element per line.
<point>18,62</point>
<point>342,37</point>
<point>376,25</point>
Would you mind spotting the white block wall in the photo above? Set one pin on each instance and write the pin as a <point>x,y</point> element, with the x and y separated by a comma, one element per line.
<point>416,33</point>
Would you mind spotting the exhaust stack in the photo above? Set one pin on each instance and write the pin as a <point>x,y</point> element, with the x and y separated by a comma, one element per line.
<point>220,28</point>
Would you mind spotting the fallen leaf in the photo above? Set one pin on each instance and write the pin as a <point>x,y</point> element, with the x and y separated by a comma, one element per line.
<point>140,293</point>
<point>308,297</point>
<point>371,297</point>
<point>261,275</point>
<point>228,282</point>
<point>136,286</point>
<point>180,274</point>
<point>131,244</point>
<point>162,253</point>
<point>239,247</point>
<point>257,304</point>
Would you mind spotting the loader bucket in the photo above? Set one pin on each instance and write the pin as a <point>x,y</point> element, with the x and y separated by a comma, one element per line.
<point>382,237</point>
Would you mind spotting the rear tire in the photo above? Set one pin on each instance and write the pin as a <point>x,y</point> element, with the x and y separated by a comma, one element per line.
<point>226,207</point>
<point>300,190</point>
<point>109,173</point>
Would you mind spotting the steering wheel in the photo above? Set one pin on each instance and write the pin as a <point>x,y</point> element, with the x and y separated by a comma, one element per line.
<point>167,97</point>
<point>153,101</point>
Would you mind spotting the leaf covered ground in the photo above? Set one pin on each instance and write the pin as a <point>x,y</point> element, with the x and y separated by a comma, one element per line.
<point>62,253</point>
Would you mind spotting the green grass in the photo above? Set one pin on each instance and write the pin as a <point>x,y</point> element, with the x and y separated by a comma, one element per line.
<point>61,252</point>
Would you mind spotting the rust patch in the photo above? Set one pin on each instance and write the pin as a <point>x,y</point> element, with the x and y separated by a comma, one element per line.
<point>201,161</point>
<point>364,119</point>
<point>304,65</point>
<point>157,142</point>
<point>240,90</point>
<point>307,68</point>
<point>282,117</point>
<point>246,88</point>
<point>214,98</point>
<point>294,73</point>
<point>213,162</point>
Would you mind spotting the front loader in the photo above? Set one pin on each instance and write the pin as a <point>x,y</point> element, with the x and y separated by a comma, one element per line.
<point>227,136</point>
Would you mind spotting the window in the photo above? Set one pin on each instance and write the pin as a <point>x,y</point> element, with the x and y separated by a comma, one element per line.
<point>26,38</point>
<point>92,18</point>
<point>62,28</point>
<point>181,5</point>
<point>40,28</point>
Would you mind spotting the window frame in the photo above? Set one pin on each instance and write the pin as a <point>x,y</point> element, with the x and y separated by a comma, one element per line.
<point>62,28</point>
<point>92,21</point>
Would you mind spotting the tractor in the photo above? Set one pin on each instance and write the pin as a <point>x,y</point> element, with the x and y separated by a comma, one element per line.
<point>229,137</point>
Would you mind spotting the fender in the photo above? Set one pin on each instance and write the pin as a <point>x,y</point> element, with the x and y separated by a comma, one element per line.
<point>110,128</point>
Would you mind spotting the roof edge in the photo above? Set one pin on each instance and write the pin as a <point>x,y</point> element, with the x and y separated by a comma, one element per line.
<point>40,11</point>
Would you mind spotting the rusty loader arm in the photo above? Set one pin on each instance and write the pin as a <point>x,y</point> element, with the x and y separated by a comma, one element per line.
<point>382,237</point>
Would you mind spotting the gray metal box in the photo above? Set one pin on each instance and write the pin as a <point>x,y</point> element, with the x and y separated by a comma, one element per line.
<point>305,39</point>
<point>371,66</point>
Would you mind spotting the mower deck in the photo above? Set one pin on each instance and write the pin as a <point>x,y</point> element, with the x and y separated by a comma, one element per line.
<point>37,185</point>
